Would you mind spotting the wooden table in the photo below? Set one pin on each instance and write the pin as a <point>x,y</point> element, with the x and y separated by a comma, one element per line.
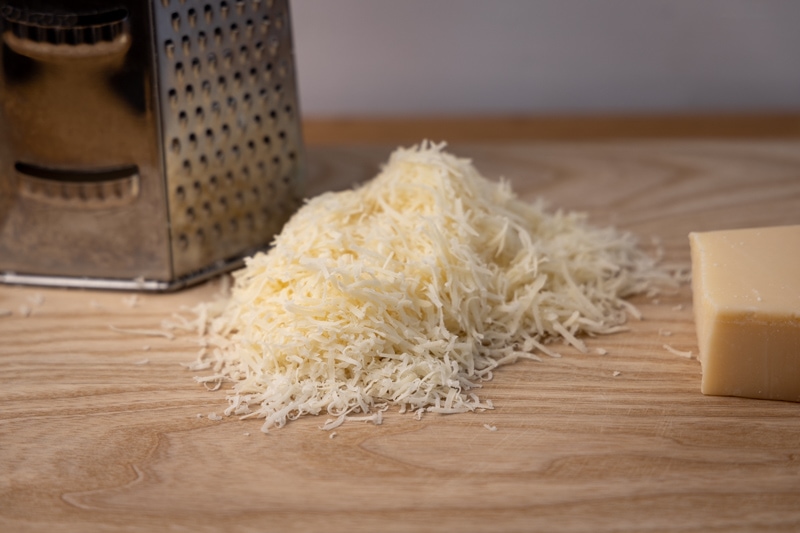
<point>106,431</point>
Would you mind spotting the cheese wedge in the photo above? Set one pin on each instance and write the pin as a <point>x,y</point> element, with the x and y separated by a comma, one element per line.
<point>746,289</point>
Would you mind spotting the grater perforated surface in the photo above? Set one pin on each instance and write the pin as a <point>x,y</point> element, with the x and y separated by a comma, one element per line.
<point>229,125</point>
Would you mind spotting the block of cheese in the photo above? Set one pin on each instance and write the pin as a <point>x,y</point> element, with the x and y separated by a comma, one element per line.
<point>746,289</point>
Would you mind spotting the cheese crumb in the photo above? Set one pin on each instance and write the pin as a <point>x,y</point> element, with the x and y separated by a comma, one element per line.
<point>616,373</point>
<point>131,301</point>
<point>490,428</point>
<point>214,416</point>
<point>410,290</point>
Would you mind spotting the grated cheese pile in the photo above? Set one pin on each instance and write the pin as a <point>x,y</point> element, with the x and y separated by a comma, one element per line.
<point>409,291</point>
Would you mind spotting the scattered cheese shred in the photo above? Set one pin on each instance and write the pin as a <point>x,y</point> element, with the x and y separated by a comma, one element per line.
<point>144,332</point>
<point>409,290</point>
<point>680,353</point>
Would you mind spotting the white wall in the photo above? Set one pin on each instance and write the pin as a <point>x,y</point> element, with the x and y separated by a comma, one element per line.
<point>396,57</point>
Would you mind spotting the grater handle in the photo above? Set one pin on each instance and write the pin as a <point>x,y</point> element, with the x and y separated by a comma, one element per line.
<point>46,36</point>
<point>44,51</point>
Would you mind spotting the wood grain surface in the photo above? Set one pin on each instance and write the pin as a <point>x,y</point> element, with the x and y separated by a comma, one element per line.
<point>102,430</point>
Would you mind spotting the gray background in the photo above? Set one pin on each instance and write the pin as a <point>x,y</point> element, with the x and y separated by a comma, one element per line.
<point>439,57</point>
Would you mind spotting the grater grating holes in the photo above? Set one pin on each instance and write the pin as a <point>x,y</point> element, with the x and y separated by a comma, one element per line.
<point>221,62</point>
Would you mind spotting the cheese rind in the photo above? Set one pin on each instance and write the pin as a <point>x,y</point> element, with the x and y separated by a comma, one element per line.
<point>746,289</point>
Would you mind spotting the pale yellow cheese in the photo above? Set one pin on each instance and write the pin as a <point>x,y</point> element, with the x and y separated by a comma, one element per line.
<point>746,286</point>
<point>409,291</point>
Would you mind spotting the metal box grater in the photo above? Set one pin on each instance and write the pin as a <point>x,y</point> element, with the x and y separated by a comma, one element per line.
<point>144,145</point>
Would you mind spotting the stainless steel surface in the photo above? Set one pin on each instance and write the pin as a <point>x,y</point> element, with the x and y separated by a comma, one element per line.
<point>155,141</point>
<point>137,284</point>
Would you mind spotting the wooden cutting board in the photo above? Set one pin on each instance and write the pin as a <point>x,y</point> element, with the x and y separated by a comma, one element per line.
<point>105,430</point>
